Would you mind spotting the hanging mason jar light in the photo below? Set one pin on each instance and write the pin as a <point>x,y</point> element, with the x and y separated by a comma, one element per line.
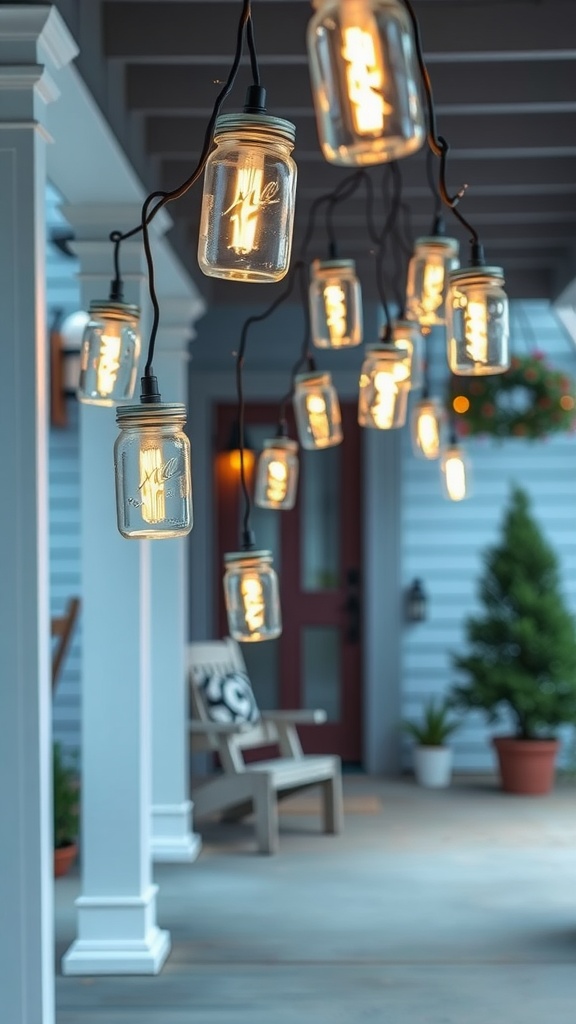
<point>383,389</point>
<point>427,279</point>
<point>152,467</point>
<point>365,81</point>
<point>251,596</point>
<point>317,410</point>
<point>335,304</point>
<point>109,353</point>
<point>406,336</point>
<point>249,194</point>
<point>477,327</point>
<point>427,419</point>
<point>277,474</point>
<point>455,473</point>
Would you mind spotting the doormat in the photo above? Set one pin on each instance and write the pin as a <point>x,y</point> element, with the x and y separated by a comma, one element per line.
<point>313,805</point>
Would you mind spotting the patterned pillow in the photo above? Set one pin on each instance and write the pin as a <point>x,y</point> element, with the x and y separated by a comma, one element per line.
<point>229,697</point>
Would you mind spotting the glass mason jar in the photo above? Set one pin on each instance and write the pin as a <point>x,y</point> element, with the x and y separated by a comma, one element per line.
<point>248,201</point>
<point>335,304</point>
<point>152,465</point>
<point>251,596</point>
<point>383,396</point>
<point>109,353</point>
<point>427,279</point>
<point>477,329</point>
<point>455,473</point>
<point>317,410</point>
<point>277,474</point>
<point>427,420</point>
<point>407,337</point>
<point>365,81</point>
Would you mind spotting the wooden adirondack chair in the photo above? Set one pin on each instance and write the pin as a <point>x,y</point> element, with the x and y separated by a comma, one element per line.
<point>240,788</point>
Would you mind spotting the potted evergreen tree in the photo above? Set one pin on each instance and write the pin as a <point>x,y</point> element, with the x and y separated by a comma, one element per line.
<point>522,653</point>
<point>432,755</point>
<point>65,797</point>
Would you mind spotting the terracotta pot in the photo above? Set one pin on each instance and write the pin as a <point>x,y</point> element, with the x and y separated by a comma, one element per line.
<point>64,858</point>
<point>526,766</point>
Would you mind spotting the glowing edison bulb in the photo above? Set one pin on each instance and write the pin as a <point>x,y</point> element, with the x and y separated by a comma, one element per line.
<point>153,476</point>
<point>254,608</point>
<point>364,73</point>
<point>476,331</point>
<point>318,418</point>
<point>432,289</point>
<point>383,407</point>
<point>250,197</point>
<point>428,435</point>
<point>108,362</point>
<point>277,481</point>
<point>335,303</point>
<point>455,475</point>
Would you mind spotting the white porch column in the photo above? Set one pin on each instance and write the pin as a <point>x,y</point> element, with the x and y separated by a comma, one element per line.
<point>172,835</point>
<point>34,46</point>
<point>117,931</point>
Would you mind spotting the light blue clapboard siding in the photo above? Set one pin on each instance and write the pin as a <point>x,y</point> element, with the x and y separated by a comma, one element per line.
<point>442,542</point>
<point>62,293</point>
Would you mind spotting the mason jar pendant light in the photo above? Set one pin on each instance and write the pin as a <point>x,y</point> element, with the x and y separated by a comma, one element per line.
<point>477,327</point>
<point>335,304</point>
<point>427,419</point>
<point>383,389</point>
<point>109,353</point>
<point>427,281</point>
<point>455,472</point>
<point>365,81</point>
<point>152,467</point>
<point>251,596</point>
<point>249,195</point>
<point>406,336</point>
<point>277,474</point>
<point>317,410</point>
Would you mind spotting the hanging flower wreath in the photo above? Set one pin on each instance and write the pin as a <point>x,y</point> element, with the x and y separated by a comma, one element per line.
<point>530,400</point>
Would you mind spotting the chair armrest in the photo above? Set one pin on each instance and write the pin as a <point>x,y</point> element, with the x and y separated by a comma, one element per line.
<point>304,716</point>
<point>218,728</point>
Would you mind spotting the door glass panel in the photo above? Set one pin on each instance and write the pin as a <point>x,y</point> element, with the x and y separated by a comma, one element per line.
<point>262,659</point>
<point>320,519</point>
<point>321,684</point>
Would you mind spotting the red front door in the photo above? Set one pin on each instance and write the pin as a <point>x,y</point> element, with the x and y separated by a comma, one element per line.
<point>316,546</point>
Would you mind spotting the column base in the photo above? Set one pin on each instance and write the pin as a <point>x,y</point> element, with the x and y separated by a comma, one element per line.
<point>173,840</point>
<point>117,935</point>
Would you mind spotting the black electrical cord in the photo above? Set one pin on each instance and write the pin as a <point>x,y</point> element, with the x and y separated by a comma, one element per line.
<point>150,391</point>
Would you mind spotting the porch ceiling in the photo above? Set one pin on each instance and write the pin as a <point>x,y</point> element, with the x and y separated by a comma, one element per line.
<point>504,79</point>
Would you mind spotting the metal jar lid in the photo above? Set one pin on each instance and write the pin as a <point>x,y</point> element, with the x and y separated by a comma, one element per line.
<point>475,274</point>
<point>280,442</point>
<point>114,310</point>
<point>153,414</point>
<point>319,265</point>
<point>315,377</point>
<point>274,126</point>
<point>438,242</point>
<point>238,556</point>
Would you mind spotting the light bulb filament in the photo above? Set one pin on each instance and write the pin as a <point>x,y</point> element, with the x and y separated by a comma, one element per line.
<point>432,287</point>
<point>476,331</point>
<point>153,475</point>
<point>253,603</point>
<point>277,481</point>
<point>455,478</point>
<point>364,78</point>
<point>318,418</point>
<point>335,304</point>
<point>249,200</point>
<point>108,363</point>
<point>384,403</point>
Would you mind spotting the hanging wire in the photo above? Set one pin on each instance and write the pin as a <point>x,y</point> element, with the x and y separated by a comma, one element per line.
<point>149,211</point>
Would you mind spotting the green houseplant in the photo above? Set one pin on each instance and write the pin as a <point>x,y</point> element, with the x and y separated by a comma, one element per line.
<point>432,755</point>
<point>65,806</point>
<point>522,651</point>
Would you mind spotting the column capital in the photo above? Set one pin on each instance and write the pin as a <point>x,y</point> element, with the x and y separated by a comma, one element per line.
<point>35,34</point>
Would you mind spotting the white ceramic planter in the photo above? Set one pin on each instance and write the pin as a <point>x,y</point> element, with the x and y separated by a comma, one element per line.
<point>433,766</point>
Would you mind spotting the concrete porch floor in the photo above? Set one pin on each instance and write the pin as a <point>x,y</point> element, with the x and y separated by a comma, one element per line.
<point>446,907</point>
